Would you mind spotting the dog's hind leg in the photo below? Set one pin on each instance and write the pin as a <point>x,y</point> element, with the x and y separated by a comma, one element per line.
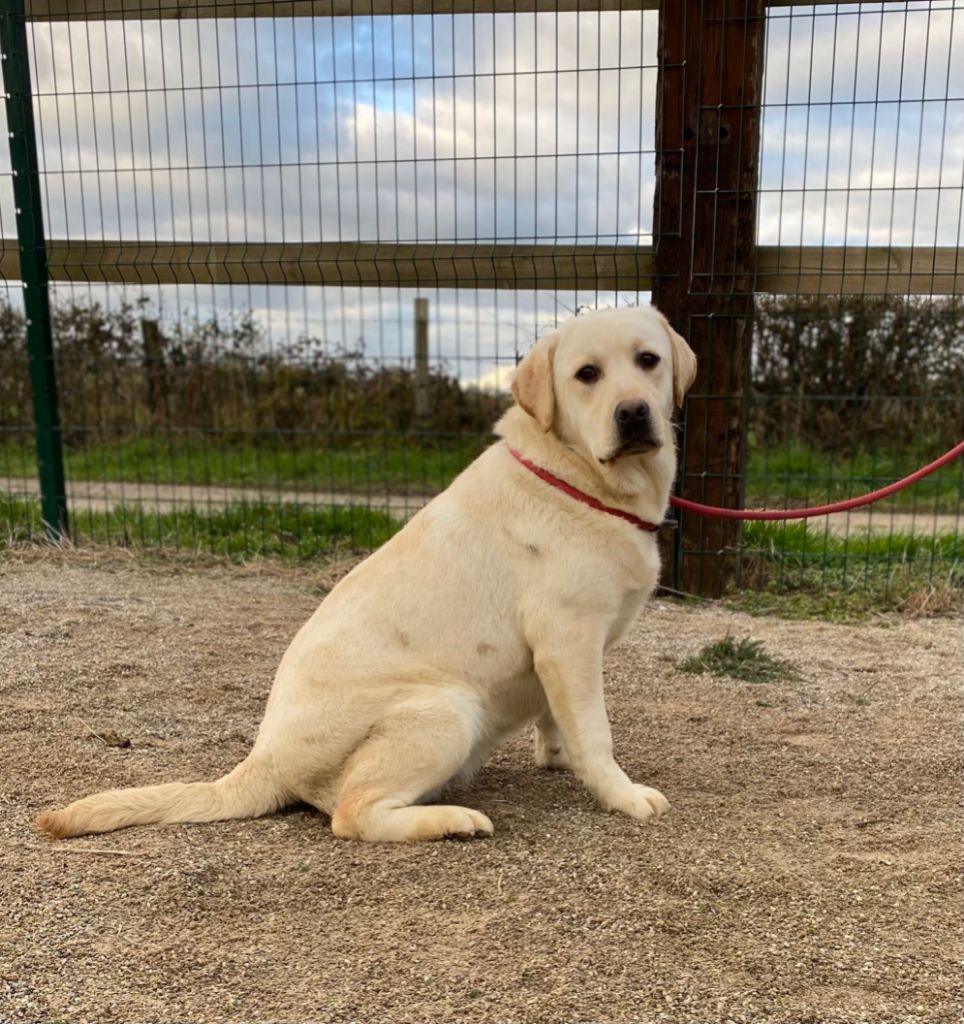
<point>415,750</point>
<point>550,750</point>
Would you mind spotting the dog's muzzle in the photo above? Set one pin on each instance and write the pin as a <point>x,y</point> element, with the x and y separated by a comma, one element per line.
<point>634,427</point>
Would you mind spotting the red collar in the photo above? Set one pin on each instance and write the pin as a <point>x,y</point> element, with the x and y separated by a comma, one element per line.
<point>586,499</point>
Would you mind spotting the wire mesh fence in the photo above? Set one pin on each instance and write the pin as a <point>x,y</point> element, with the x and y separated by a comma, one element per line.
<point>294,259</point>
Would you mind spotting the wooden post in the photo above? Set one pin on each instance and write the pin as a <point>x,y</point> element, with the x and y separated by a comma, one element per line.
<point>709,88</point>
<point>153,347</point>
<point>422,399</point>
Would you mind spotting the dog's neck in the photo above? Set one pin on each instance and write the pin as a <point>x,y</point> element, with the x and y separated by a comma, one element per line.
<point>640,484</point>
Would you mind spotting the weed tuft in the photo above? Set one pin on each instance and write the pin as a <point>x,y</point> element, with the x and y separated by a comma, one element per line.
<point>739,659</point>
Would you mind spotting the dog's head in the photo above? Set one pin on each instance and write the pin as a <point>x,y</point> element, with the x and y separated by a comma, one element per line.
<point>606,383</point>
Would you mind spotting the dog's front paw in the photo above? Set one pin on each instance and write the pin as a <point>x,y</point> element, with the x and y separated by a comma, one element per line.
<point>640,802</point>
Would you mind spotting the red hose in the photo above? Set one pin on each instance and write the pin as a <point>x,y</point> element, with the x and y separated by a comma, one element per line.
<point>820,510</point>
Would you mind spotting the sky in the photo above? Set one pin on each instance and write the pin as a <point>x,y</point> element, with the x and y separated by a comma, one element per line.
<point>472,128</point>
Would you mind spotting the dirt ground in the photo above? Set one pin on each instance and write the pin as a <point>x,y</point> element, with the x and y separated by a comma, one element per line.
<point>809,870</point>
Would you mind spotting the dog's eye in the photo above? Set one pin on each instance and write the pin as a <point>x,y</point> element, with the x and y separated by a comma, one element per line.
<point>588,374</point>
<point>647,360</point>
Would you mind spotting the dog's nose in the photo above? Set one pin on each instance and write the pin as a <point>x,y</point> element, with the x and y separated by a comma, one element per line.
<point>631,413</point>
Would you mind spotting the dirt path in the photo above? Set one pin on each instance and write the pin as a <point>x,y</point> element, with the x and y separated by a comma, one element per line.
<point>808,872</point>
<point>102,496</point>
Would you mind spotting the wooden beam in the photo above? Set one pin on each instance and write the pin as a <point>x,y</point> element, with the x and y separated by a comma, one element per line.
<point>708,94</point>
<point>853,270</point>
<point>113,10</point>
<point>148,10</point>
<point>360,264</point>
<point>785,270</point>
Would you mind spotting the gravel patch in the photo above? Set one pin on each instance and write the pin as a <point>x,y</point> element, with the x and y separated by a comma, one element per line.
<point>809,870</point>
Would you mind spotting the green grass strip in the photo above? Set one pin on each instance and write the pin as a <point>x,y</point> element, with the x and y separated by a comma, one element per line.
<point>809,477</point>
<point>797,475</point>
<point>297,532</point>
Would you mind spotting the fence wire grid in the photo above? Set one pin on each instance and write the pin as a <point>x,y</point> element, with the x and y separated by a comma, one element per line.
<point>291,261</point>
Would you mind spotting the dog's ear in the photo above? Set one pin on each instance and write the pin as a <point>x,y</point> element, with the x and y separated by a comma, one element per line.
<point>532,383</point>
<point>684,363</point>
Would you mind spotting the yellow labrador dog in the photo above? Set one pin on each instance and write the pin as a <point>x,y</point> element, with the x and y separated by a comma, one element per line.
<point>491,609</point>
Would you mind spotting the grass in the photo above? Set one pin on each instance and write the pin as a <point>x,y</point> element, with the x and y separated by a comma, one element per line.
<point>798,545</point>
<point>801,571</point>
<point>387,464</point>
<point>739,659</point>
<point>392,463</point>
<point>804,476</point>
<point>914,598</point>
<point>794,570</point>
<point>296,532</point>
<point>790,570</point>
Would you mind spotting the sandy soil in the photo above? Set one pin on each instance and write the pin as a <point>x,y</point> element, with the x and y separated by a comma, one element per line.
<point>808,872</point>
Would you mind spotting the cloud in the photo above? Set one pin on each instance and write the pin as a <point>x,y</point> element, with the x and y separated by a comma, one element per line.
<point>865,53</point>
<point>863,129</point>
<point>490,128</point>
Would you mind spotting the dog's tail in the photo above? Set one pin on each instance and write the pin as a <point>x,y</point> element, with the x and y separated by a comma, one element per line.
<point>247,792</point>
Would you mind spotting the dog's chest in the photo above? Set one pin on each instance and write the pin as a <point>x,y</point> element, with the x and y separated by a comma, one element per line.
<point>629,609</point>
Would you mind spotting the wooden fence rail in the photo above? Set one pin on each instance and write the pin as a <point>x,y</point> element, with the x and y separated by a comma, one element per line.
<point>789,270</point>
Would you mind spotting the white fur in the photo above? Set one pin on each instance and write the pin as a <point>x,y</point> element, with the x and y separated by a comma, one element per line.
<point>491,609</point>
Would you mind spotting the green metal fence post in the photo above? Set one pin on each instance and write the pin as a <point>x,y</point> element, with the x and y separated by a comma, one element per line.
<point>33,265</point>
